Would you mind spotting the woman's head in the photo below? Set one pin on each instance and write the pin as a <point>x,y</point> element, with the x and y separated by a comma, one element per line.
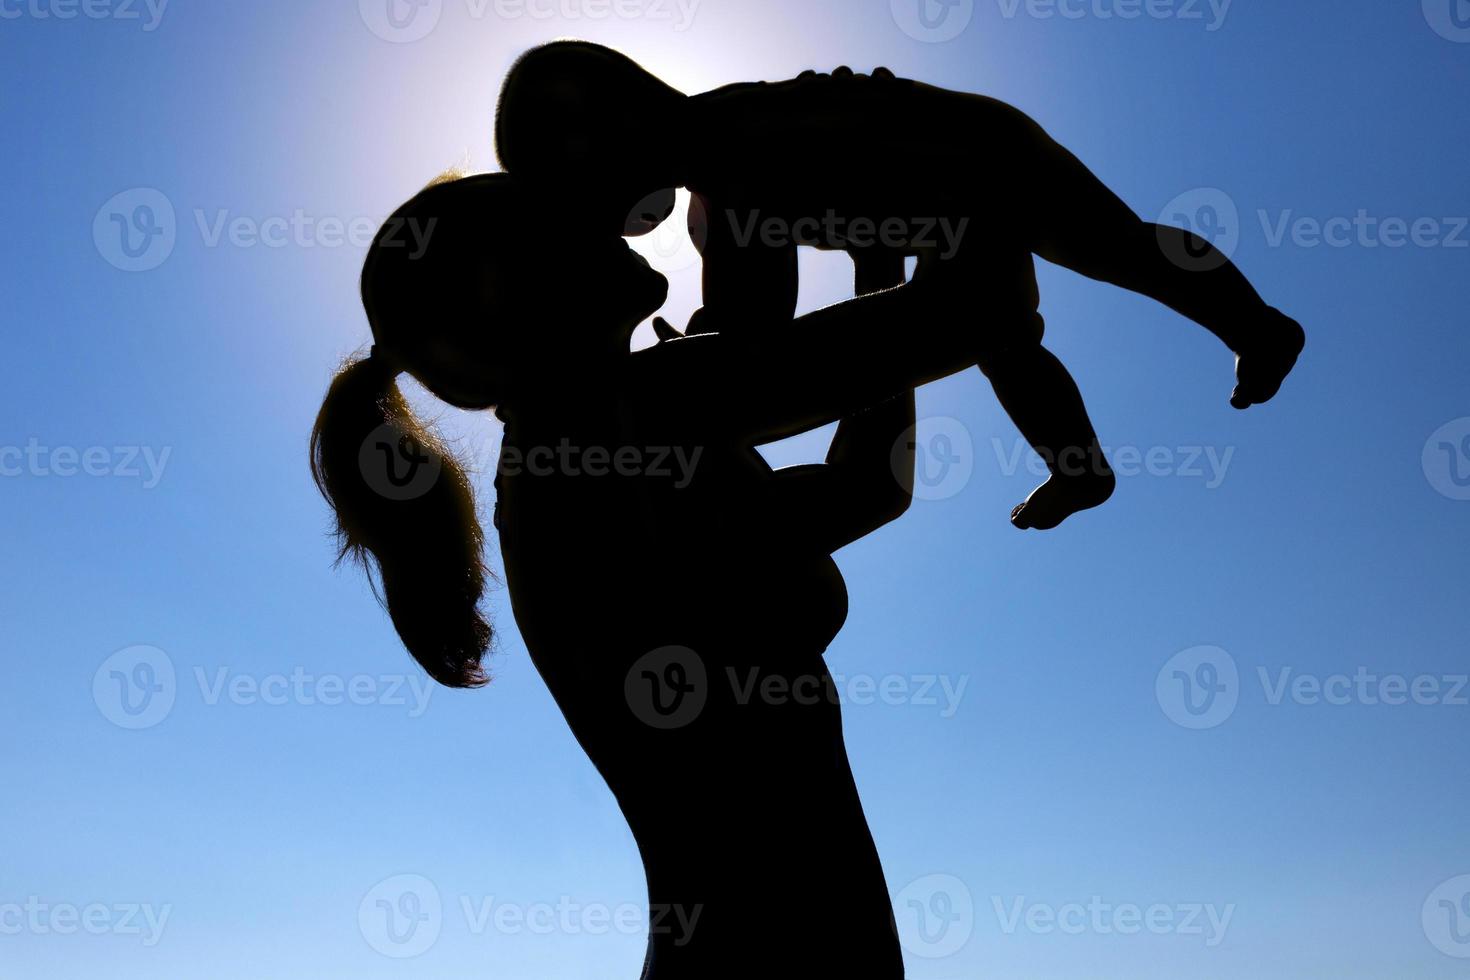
<point>485,298</point>
<point>479,290</point>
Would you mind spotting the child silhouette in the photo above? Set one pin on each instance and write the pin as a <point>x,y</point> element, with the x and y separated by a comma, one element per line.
<point>819,157</point>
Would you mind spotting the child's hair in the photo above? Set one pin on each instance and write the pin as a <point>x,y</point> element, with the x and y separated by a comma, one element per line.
<point>404,506</point>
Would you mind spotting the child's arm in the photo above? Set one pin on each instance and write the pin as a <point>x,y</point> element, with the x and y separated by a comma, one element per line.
<point>747,284</point>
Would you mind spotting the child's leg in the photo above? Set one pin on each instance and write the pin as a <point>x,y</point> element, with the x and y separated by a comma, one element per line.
<point>1038,393</point>
<point>1077,222</point>
<point>1040,396</point>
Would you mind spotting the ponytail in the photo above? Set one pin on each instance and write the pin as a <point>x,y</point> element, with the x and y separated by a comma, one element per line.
<point>405,509</point>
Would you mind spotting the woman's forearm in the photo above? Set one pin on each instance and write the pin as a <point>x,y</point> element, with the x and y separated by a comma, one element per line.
<point>760,387</point>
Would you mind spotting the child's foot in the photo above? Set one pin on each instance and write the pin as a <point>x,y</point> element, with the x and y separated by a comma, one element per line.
<point>1062,496</point>
<point>1266,359</point>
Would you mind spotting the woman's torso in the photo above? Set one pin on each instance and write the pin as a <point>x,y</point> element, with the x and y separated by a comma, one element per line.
<point>680,625</point>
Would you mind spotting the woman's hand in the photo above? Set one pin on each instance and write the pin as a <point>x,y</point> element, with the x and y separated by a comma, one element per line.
<point>876,268</point>
<point>665,331</point>
<point>844,73</point>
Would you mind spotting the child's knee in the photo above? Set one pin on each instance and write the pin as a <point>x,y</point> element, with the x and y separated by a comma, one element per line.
<point>1016,338</point>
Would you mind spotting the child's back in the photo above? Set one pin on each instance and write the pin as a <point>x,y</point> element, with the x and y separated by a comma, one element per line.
<point>859,147</point>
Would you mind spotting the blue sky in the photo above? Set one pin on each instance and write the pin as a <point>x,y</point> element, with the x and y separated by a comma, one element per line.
<point>1068,809</point>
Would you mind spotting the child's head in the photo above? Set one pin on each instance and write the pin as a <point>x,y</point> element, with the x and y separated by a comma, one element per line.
<point>589,119</point>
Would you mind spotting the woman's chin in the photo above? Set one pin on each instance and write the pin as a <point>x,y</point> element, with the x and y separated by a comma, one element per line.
<point>651,295</point>
<point>662,290</point>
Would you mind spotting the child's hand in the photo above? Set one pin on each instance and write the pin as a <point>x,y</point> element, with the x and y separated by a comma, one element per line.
<point>842,72</point>
<point>701,322</point>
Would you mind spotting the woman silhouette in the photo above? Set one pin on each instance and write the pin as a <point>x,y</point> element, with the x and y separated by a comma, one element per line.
<point>675,594</point>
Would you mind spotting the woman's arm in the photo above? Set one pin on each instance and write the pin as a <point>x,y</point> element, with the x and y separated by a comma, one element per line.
<point>759,387</point>
<point>868,478</point>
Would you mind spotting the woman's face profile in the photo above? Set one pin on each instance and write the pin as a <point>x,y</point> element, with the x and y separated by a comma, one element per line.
<point>604,284</point>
